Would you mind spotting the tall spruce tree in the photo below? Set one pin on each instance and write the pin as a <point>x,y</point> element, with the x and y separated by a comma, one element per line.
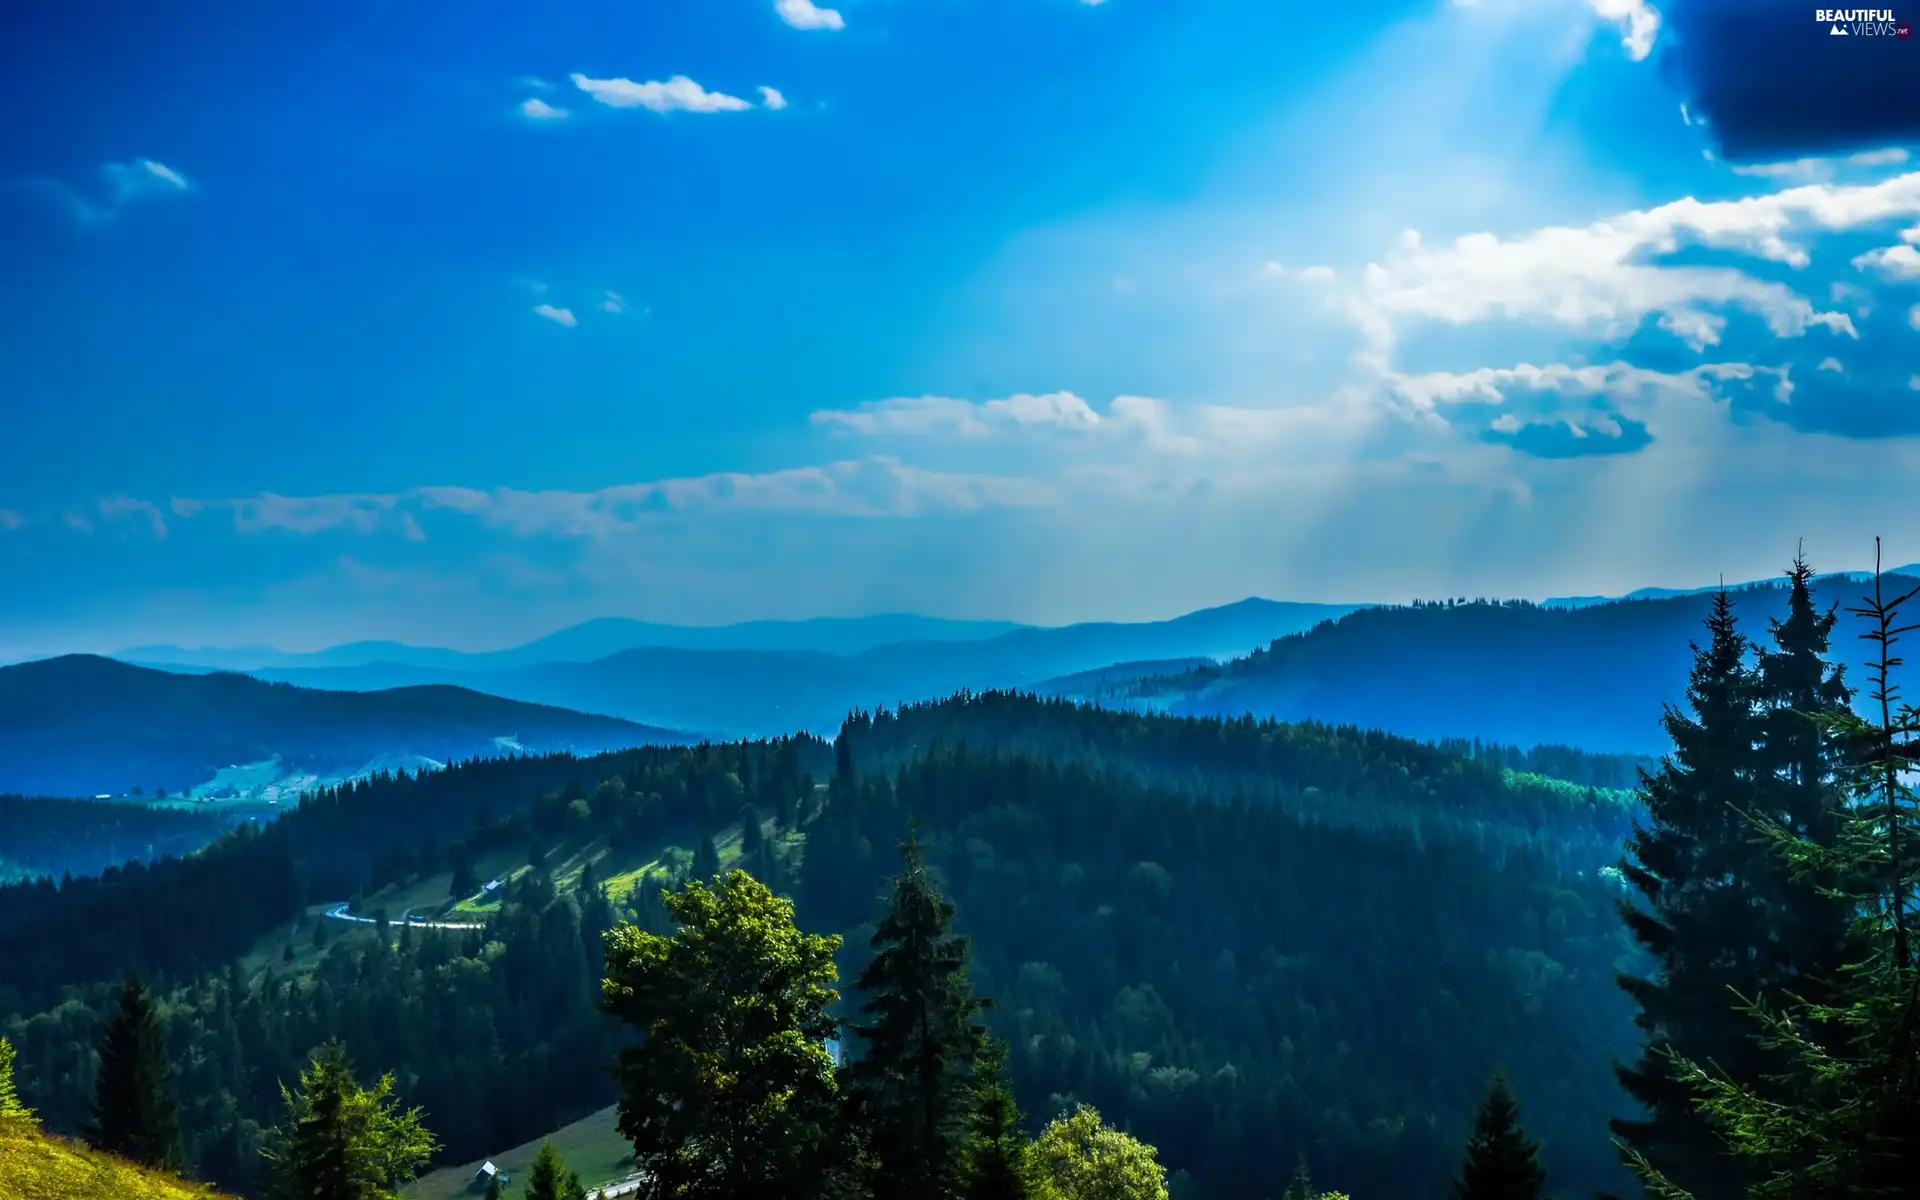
<point>1501,1163</point>
<point>133,1112</point>
<point>1838,1124</point>
<point>12,1108</point>
<point>1000,1159</point>
<point>706,859</point>
<point>549,1178</point>
<point>1700,920</point>
<point>912,1083</point>
<point>1798,692</point>
<point>341,1141</point>
<point>1300,1187</point>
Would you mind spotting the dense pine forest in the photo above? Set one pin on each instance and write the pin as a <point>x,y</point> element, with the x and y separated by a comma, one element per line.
<point>40,836</point>
<point>1222,957</point>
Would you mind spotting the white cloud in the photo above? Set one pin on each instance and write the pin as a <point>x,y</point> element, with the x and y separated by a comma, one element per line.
<point>1639,24</point>
<point>877,486</point>
<point>533,81</point>
<point>1819,169</point>
<point>803,14</point>
<point>11,520</point>
<point>1317,274</point>
<point>1097,3</point>
<point>539,110</point>
<point>931,414</point>
<point>1275,269</point>
<point>613,303</point>
<point>118,507</point>
<point>678,93</point>
<point>1913,383</point>
<point>1894,262</point>
<point>1913,316</point>
<point>142,177</point>
<point>772,98</point>
<point>1697,329</point>
<point>559,316</point>
<point>1599,278</point>
<point>1618,381</point>
<point>1141,421</point>
<point>1831,364</point>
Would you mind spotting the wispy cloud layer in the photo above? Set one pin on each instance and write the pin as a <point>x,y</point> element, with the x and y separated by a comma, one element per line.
<point>123,184</point>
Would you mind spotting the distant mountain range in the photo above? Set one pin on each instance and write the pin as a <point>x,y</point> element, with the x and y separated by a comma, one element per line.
<point>82,725</point>
<point>1594,676</point>
<point>594,640</point>
<point>767,689</point>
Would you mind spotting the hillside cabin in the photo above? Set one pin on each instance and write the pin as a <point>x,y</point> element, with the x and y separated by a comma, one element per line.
<point>485,1175</point>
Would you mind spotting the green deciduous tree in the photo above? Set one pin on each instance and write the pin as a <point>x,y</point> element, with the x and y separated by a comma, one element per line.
<point>133,1110</point>
<point>911,1084</point>
<point>731,1090</point>
<point>341,1141</point>
<point>1082,1159</point>
<point>1501,1163</point>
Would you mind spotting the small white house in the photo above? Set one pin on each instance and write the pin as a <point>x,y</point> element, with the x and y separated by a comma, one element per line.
<point>491,886</point>
<point>485,1175</point>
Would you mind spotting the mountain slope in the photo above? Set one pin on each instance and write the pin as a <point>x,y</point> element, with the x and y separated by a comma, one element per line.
<point>750,693</point>
<point>1594,676</point>
<point>82,725</point>
<point>39,1166</point>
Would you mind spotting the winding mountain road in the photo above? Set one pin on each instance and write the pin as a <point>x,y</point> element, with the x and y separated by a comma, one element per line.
<point>339,913</point>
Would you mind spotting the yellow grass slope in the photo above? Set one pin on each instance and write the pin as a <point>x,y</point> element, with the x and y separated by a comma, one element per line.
<point>38,1166</point>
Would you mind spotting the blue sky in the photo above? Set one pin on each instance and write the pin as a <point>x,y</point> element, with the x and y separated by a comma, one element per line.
<point>458,322</point>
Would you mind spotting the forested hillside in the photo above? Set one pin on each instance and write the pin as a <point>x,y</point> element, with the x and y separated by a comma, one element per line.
<point>1512,672</point>
<point>81,725</point>
<point>43,836</point>
<point>1227,936</point>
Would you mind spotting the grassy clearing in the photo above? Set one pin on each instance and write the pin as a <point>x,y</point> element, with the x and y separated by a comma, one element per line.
<point>37,1166</point>
<point>591,1146</point>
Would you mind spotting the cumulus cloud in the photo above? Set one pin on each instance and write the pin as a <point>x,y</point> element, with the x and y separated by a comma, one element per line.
<point>1602,278</point>
<point>536,109</point>
<point>772,99</point>
<point>559,316</point>
<point>1900,262</point>
<point>1639,24</point>
<point>804,14</point>
<point>1570,437</point>
<point>676,94</point>
<point>613,303</point>
<point>1774,83</point>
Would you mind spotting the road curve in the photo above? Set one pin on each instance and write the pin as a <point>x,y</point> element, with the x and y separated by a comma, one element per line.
<point>339,913</point>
